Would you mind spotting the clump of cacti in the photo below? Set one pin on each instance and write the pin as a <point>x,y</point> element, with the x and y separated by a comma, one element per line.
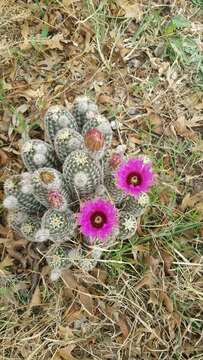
<point>76,185</point>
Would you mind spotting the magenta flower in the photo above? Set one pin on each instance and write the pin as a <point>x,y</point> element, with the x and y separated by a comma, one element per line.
<point>134,176</point>
<point>97,219</point>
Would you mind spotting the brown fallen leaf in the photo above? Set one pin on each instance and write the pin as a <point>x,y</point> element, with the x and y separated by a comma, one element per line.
<point>168,303</point>
<point>192,201</point>
<point>153,299</point>
<point>105,99</point>
<point>65,332</point>
<point>3,157</point>
<point>123,325</point>
<point>131,10</point>
<point>167,260</point>
<point>36,298</point>
<point>183,127</point>
<point>147,280</point>
<point>86,300</point>
<point>198,148</point>
<point>54,42</point>
<point>156,121</point>
<point>65,352</point>
<point>6,262</point>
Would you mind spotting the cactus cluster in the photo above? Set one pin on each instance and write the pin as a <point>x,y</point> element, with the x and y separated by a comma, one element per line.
<point>77,192</point>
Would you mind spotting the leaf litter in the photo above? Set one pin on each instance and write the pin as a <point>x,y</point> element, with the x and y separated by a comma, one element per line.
<point>123,54</point>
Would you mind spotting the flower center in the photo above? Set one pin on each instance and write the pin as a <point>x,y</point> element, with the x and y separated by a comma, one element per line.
<point>46,177</point>
<point>98,219</point>
<point>55,199</point>
<point>134,179</point>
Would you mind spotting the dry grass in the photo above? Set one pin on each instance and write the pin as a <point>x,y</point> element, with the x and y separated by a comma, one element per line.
<point>145,300</point>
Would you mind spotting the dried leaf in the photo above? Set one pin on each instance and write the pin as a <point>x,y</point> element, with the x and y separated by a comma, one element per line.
<point>86,300</point>
<point>6,262</point>
<point>198,148</point>
<point>183,126</point>
<point>36,298</point>
<point>65,352</point>
<point>147,280</point>
<point>65,332</point>
<point>168,260</point>
<point>122,323</point>
<point>54,42</point>
<point>131,10</point>
<point>3,158</point>
<point>69,279</point>
<point>156,121</point>
<point>192,201</point>
<point>166,301</point>
<point>153,297</point>
<point>67,3</point>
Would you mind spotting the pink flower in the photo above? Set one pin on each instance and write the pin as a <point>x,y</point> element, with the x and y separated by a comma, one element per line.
<point>97,219</point>
<point>134,176</point>
<point>55,199</point>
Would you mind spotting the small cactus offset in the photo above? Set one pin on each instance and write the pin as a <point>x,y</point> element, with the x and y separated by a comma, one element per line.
<point>66,141</point>
<point>81,173</point>
<point>58,260</point>
<point>56,226</point>
<point>137,206</point>
<point>79,196</point>
<point>29,227</point>
<point>49,189</point>
<point>83,110</point>
<point>15,218</point>
<point>58,117</point>
<point>19,194</point>
<point>127,225</point>
<point>36,154</point>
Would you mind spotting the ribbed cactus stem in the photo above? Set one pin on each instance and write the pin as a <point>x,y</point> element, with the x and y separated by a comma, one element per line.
<point>127,225</point>
<point>57,226</point>
<point>81,173</point>
<point>50,190</point>
<point>36,154</point>
<point>29,227</point>
<point>58,117</point>
<point>17,197</point>
<point>115,194</point>
<point>83,110</point>
<point>66,141</point>
<point>137,206</point>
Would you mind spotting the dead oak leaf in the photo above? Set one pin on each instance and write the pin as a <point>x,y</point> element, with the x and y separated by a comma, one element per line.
<point>6,262</point>
<point>168,303</point>
<point>147,280</point>
<point>54,42</point>
<point>167,261</point>
<point>3,158</point>
<point>123,325</point>
<point>131,10</point>
<point>65,352</point>
<point>191,201</point>
<point>198,148</point>
<point>36,298</point>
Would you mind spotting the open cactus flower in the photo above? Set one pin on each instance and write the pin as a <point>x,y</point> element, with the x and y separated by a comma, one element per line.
<point>77,194</point>
<point>98,220</point>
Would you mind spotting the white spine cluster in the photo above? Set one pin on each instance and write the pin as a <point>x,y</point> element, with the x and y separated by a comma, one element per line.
<point>10,202</point>
<point>63,121</point>
<point>42,235</point>
<point>80,180</point>
<point>55,274</point>
<point>39,159</point>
